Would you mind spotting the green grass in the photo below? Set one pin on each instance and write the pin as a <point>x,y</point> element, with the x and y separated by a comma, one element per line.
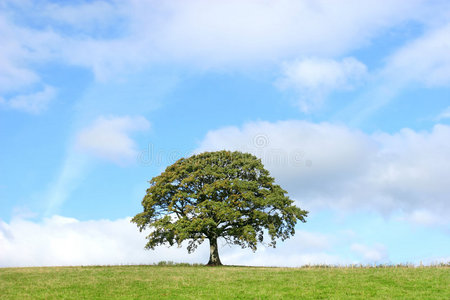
<point>200,282</point>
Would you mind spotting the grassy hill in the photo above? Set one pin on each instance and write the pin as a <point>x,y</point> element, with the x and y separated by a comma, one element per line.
<point>200,282</point>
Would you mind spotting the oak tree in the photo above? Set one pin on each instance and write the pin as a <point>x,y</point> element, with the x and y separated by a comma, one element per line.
<point>212,195</point>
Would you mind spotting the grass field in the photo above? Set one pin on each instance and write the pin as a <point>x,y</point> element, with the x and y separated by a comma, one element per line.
<point>200,282</point>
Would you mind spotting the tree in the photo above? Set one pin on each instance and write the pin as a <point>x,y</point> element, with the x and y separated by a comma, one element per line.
<point>213,195</point>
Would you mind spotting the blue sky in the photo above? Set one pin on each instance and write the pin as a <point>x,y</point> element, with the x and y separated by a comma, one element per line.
<point>346,103</point>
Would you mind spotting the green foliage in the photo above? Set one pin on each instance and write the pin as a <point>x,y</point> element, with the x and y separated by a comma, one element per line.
<point>217,194</point>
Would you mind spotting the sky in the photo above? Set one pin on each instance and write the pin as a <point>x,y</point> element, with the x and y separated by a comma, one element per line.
<point>347,103</point>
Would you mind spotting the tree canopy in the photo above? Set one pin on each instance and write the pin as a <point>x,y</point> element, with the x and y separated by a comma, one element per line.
<point>223,194</point>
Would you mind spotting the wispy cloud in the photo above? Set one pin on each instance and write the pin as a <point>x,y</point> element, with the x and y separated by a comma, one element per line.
<point>424,217</point>
<point>371,254</point>
<point>423,62</point>
<point>313,79</point>
<point>33,103</point>
<point>71,173</point>
<point>445,114</point>
<point>108,139</point>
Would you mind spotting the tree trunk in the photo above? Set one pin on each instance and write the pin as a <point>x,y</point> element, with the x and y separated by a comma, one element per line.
<point>214,259</point>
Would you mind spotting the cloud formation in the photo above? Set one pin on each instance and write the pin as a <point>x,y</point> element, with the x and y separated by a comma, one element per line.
<point>70,175</point>
<point>425,60</point>
<point>313,78</point>
<point>66,241</point>
<point>108,138</point>
<point>445,114</point>
<point>375,254</point>
<point>332,166</point>
<point>59,241</point>
<point>226,34</point>
<point>421,62</point>
<point>33,103</point>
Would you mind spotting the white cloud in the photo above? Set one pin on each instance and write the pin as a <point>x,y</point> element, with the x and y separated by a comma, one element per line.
<point>425,218</point>
<point>331,166</point>
<point>13,76</point>
<point>230,32</point>
<point>313,78</point>
<point>32,103</point>
<point>58,241</point>
<point>108,138</point>
<point>425,60</point>
<point>314,73</point>
<point>86,17</point>
<point>200,33</point>
<point>21,47</point>
<point>374,254</point>
<point>445,114</point>
<point>289,259</point>
<point>220,35</point>
<point>66,241</point>
<point>13,71</point>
